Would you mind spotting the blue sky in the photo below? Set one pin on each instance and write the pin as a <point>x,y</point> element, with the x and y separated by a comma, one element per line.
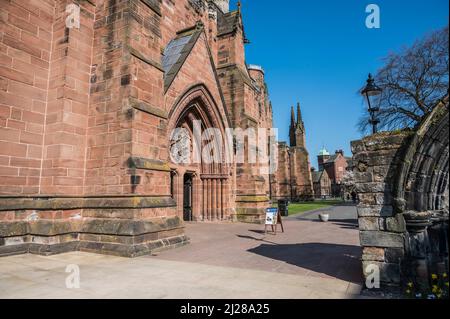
<point>320,53</point>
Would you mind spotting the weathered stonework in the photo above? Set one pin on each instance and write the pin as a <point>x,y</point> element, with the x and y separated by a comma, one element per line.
<point>402,181</point>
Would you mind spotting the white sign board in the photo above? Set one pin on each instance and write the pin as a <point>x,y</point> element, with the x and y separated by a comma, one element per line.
<point>271,216</point>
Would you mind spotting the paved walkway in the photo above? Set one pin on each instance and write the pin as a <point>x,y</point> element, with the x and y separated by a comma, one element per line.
<point>310,260</point>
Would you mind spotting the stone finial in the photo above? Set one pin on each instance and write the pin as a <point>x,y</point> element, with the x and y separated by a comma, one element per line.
<point>292,117</point>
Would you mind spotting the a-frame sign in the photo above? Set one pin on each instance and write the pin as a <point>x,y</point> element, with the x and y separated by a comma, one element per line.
<point>273,219</point>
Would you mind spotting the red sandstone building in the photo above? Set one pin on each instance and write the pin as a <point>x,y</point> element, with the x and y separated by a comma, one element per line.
<point>86,111</point>
<point>336,167</point>
<point>322,184</point>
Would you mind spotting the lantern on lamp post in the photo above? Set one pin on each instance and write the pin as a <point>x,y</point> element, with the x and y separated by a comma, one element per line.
<point>372,92</point>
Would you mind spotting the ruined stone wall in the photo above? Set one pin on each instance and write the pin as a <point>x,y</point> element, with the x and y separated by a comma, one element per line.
<point>381,231</point>
<point>402,182</point>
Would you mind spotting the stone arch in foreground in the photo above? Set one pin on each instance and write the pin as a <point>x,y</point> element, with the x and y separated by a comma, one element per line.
<point>402,179</point>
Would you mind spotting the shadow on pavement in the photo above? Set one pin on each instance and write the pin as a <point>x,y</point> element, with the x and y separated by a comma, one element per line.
<point>338,261</point>
<point>343,223</point>
<point>346,223</point>
<point>257,239</point>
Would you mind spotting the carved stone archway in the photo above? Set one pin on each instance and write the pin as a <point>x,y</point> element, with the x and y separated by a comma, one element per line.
<point>210,180</point>
<point>421,196</point>
<point>402,180</point>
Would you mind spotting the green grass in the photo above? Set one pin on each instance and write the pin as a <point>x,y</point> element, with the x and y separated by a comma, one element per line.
<point>298,208</point>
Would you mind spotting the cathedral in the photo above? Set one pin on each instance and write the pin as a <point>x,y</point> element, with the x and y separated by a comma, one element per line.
<point>90,91</point>
<point>293,179</point>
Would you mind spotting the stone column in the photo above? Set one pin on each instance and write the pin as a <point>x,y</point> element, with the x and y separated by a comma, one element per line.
<point>418,246</point>
<point>214,199</point>
<point>217,190</point>
<point>221,200</point>
<point>203,199</point>
<point>209,210</point>
<point>197,184</point>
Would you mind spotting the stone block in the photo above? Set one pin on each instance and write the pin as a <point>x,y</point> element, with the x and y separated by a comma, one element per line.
<point>54,227</point>
<point>133,250</point>
<point>10,229</point>
<point>54,249</point>
<point>383,173</point>
<point>373,254</point>
<point>13,250</point>
<point>396,224</point>
<point>372,187</point>
<point>381,239</point>
<point>381,198</point>
<point>368,223</point>
<point>123,227</point>
<point>380,143</point>
<point>363,177</point>
<point>358,146</point>
<point>375,211</point>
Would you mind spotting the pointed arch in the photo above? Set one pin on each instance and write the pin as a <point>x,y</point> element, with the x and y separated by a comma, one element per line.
<point>211,180</point>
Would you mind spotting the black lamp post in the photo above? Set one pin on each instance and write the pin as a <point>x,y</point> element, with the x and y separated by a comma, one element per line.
<point>371,92</point>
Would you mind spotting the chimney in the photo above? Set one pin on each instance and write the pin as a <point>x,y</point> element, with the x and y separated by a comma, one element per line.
<point>340,152</point>
<point>224,5</point>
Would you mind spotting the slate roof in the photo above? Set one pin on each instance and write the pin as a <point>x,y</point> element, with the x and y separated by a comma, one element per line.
<point>317,176</point>
<point>177,51</point>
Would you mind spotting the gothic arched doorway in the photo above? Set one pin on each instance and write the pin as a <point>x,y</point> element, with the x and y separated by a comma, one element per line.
<point>421,195</point>
<point>201,186</point>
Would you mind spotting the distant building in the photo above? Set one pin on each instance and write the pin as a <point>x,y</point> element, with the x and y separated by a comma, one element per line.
<point>335,166</point>
<point>293,179</point>
<point>321,183</point>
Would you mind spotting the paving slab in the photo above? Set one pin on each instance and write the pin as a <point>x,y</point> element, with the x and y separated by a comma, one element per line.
<point>310,260</point>
<point>308,247</point>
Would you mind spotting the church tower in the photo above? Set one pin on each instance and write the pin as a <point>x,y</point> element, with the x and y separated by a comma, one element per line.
<point>292,129</point>
<point>297,129</point>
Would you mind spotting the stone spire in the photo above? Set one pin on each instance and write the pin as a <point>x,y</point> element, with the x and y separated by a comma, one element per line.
<point>299,117</point>
<point>292,129</point>
<point>292,117</point>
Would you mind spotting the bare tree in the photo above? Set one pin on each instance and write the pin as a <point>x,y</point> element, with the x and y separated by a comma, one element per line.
<point>413,82</point>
